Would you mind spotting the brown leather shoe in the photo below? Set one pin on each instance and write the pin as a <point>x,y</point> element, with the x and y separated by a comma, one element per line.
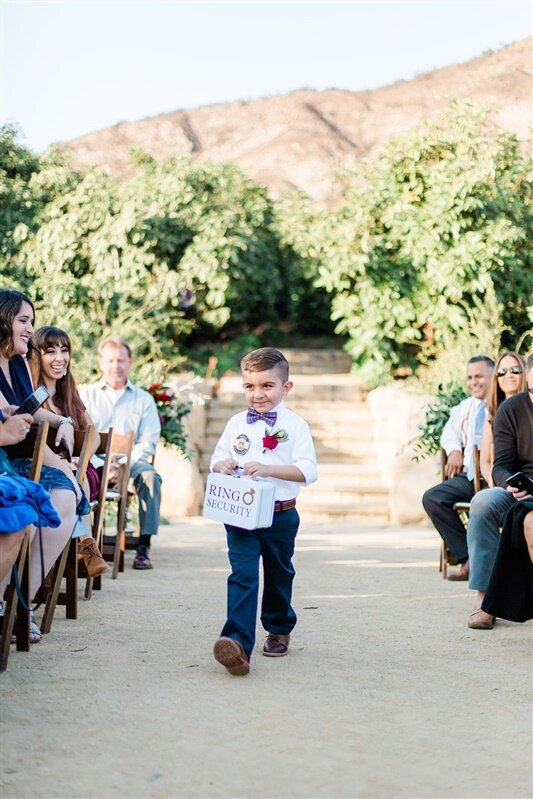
<point>479,620</point>
<point>230,653</point>
<point>92,557</point>
<point>461,574</point>
<point>142,558</point>
<point>276,646</point>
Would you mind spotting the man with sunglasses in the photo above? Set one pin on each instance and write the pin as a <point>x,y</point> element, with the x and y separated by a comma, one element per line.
<point>462,430</point>
<point>513,452</point>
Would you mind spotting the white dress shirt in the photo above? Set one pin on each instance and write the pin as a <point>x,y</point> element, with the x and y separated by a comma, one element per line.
<point>298,450</point>
<point>460,430</point>
<point>133,409</point>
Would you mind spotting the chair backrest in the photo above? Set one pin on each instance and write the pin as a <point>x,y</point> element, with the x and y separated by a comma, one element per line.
<point>33,447</point>
<point>38,451</point>
<point>122,444</point>
<point>104,449</point>
<point>478,478</point>
<point>83,452</point>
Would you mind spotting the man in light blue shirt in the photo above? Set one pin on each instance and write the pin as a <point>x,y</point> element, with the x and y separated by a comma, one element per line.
<point>461,432</point>
<point>114,401</point>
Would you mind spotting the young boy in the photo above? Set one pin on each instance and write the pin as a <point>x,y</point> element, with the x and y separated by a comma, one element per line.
<point>271,442</point>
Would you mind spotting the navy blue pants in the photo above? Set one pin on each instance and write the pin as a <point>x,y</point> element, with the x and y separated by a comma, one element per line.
<point>275,545</point>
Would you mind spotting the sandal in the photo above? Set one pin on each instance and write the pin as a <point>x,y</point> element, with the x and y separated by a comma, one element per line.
<point>479,620</point>
<point>35,633</point>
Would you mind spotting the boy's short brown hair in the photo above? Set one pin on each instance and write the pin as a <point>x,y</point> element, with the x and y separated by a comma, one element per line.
<point>264,359</point>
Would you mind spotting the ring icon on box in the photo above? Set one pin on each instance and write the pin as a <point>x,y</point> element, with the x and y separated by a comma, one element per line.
<point>249,494</point>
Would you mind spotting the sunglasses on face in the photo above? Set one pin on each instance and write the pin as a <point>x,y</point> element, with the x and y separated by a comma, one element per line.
<point>514,370</point>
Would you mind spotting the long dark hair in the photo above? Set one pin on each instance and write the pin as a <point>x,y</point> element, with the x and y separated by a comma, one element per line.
<point>10,304</point>
<point>66,397</point>
<point>496,394</point>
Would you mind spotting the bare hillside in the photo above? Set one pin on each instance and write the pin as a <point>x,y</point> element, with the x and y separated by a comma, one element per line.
<point>297,140</point>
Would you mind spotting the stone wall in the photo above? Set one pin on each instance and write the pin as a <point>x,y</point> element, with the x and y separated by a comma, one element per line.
<point>183,485</point>
<point>396,412</point>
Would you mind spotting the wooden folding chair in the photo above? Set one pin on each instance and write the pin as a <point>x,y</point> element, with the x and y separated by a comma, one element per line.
<point>113,547</point>
<point>132,513</point>
<point>67,563</point>
<point>98,506</point>
<point>447,558</point>
<point>16,616</point>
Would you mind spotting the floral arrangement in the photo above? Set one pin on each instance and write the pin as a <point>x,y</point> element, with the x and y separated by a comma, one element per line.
<point>173,405</point>
<point>272,438</point>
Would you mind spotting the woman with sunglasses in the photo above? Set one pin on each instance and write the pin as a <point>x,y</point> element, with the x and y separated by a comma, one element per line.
<point>508,379</point>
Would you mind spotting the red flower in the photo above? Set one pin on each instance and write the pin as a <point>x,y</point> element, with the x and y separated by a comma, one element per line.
<point>270,442</point>
<point>154,386</point>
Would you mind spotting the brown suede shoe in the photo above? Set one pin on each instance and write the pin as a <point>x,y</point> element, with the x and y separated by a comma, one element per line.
<point>461,574</point>
<point>276,646</point>
<point>479,620</point>
<point>94,562</point>
<point>230,653</point>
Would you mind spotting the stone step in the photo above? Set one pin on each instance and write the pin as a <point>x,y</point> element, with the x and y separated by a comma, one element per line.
<point>306,387</point>
<point>323,414</point>
<point>356,441</point>
<point>314,361</point>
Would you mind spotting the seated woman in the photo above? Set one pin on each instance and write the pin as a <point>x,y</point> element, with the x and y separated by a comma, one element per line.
<point>508,379</point>
<point>12,430</point>
<point>510,592</point>
<point>67,497</point>
<point>51,368</point>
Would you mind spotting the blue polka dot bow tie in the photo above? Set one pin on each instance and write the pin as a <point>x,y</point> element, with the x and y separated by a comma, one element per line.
<point>254,416</point>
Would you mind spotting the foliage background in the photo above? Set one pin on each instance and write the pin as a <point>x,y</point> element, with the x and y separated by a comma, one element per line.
<point>424,261</point>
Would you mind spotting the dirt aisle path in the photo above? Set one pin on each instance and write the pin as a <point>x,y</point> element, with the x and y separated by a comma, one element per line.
<point>385,693</point>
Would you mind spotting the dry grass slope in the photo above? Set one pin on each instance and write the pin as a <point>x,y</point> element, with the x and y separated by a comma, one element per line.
<point>297,140</point>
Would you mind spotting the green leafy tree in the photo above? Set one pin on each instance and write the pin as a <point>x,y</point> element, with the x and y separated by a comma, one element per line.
<point>441,219</point>
<point>27,183</point>
<point>179,253</point>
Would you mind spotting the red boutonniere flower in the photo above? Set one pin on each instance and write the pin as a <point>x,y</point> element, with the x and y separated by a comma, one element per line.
<point>272,439</point>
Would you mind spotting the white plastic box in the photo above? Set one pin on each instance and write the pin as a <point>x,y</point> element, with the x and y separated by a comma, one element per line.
<point>239,501</point>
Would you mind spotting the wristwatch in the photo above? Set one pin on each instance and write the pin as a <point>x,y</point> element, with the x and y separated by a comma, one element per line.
<point>64,420</point>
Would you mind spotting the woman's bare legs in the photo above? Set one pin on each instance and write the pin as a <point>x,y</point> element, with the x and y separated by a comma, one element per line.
<point>54,538</point>
<point>9,549</point>
<point>51,459</point>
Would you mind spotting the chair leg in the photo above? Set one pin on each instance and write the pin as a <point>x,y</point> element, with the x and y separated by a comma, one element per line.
<point>53,593</point>
<point>119,550</point>
<point>71,574</point>
<point>444,558</point>
<point>22,616</point>
<point>11,605</point>
<point>120,541</point>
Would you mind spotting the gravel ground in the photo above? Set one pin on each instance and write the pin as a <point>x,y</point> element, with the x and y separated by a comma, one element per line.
<point>385,692</point>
